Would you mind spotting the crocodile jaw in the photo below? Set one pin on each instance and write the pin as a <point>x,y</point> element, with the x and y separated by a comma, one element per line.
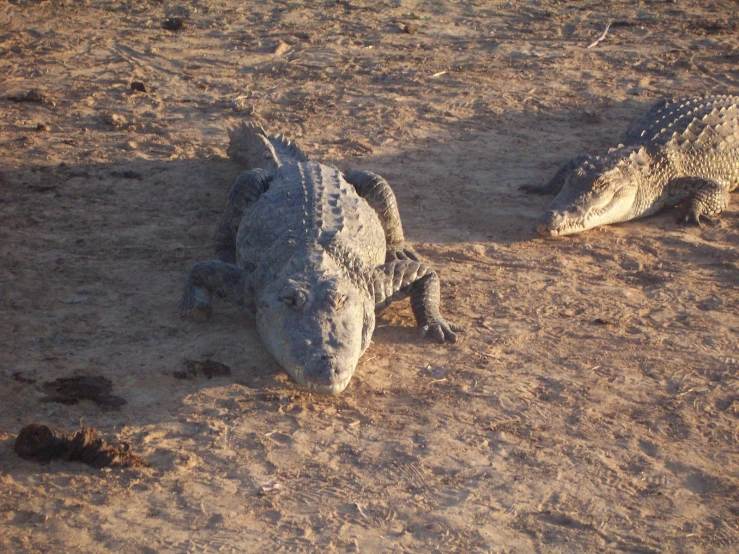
<point>557,223</point>
<point>336,376</point>
<point>582,206</point>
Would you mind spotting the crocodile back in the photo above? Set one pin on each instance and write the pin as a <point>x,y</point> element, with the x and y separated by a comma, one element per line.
<point>710,120</point>
<point>699,137</point>
<point>309,207</point>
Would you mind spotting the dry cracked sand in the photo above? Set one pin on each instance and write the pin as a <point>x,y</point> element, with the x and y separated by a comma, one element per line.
<point>592,403</point>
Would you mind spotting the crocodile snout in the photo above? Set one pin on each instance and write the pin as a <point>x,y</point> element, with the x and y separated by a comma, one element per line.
<point>550,223</point>
<point>326,373</point>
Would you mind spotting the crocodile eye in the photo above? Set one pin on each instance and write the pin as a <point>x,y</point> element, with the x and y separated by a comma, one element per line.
<point>336,299</point>
<point>293,296</point>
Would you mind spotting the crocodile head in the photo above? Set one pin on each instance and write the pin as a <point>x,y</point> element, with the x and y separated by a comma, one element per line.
<point>316,325</point>
<point>597,193</point>
<point>250,146</point>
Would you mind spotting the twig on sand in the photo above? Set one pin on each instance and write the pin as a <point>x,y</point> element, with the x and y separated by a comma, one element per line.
<point>601,37</point>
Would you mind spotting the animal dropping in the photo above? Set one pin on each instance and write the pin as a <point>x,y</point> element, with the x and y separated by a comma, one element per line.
<point>682,151</point>
<point>312,254</point>
<point>44,443</point>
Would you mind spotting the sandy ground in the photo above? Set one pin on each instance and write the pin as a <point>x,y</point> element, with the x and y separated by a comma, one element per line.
<point>592,402</point>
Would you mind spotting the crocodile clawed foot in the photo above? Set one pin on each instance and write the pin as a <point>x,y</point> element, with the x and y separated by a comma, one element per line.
<point>198,311</point>
<point>712,221</point>
<point>441,331</point>
<point>690,218</point>
<point>695,218</point>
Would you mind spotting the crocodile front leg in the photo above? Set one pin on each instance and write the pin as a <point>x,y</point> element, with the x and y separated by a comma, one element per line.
<point>400,278</point>
<point>226,281</point>
<point>378,194</point>
<point>556,183</point>
<point>246,189</point>
<point>705,198</point>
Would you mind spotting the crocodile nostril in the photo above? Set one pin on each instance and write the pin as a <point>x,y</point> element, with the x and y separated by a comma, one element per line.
<point>549,223</point>
<point>544,223</point>
<point>324,369</point>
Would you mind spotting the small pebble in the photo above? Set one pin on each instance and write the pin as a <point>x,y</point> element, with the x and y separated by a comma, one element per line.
<point>591,116</point>
<point>139,86</point>
<point>43,128</point>
<point>115,120</point>
<point>173,24</point>
<point>281,48</point>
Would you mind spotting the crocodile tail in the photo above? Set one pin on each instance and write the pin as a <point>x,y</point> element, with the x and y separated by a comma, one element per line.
<point>251,146</point>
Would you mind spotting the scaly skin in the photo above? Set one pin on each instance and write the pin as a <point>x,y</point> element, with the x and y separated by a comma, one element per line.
<point>681,152</point>
<point>312,254</point>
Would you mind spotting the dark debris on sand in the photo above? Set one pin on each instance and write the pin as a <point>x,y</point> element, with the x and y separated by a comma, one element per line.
<point>44,443</point>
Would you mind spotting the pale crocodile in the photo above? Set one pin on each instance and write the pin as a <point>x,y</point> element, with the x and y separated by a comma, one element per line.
<point>683,151</point>
<point>312,254</point>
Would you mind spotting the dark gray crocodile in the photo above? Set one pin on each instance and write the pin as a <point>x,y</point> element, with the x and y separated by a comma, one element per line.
<point>683,151</point>
<point>312,254</point>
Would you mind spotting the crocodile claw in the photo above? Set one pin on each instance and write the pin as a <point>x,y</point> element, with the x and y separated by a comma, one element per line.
<point>195,303</point>
<point>441,331</point>
<point>694,218</point>
<point>401,254</point>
